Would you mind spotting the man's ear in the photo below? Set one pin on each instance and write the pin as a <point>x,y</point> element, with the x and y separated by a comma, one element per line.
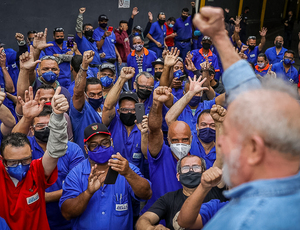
<point>32,130</point>
<point>86,149</point>
<point>177,176</point>
<point>134,85</point>
<point>98,75</point>
<point>256,150</point>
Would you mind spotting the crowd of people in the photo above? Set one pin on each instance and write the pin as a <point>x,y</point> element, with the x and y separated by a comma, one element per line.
<point>186,124</point>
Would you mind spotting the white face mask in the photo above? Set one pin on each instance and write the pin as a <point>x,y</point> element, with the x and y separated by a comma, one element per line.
<point>180,150</point>
<point>261,65</point>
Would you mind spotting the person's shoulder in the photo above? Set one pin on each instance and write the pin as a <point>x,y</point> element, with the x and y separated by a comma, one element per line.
<point>269,49</point>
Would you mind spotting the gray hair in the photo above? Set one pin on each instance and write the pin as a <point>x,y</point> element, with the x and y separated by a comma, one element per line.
<point>146,74</point>
<point>203,163</point>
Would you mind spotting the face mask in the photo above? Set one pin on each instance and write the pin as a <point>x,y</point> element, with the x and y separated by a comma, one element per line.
<point>207,135</point>
<point>288,61</point>
<point>59,41</point>
<point>180,150</point>
<point>89,33</point>
<point>127,118</point>
<point>260,65</point>
<point>103,25</point>
<point>206,46</point>
<point>170,25</point>
<point>101,154</point>
<point>184,17</point>
<point>95,103</point>
<point>18,172</point>
<point>278,45</point>
<point>251,47</point>
<point>42,135</point>
<point>157,75</point>
<point>190,179</point>
<point>143,93</point>
<point>50,77</point>
<point>177,74</point>
<point>106,81</point>
<point>197,33</point>
<point>195,101</point>
<point>138,47</point>
<point>161,22</point>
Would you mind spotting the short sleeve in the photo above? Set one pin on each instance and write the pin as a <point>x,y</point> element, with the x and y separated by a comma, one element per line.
<point>38,171</point>
<point>76,155</point>
<point>75,115</point>
<point>160,207</point>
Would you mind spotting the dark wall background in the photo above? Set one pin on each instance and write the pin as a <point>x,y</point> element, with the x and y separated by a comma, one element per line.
<point>22,16</point>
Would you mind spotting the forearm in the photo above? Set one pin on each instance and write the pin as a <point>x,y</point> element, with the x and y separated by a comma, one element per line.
<point>155,116</point>
<point>113,95</point>
<point>144,224</point>
<point>117,53</point>
<point>130,24</point>
<point>140,186</point>
<point>100,43</point>
<point>23,126</point>
<point>219,131</point>
<point>74,207</point>
<point>53,196</point>
<point>9,85</point>
<point>144,144</point>
<point>169,103</point>
<point>12,98</point>
<point>36,53</point>
<point>164,79</point>
<point>7,119</point>
<point>79,88</point>
<point>147,29</point>
<point>151,38</point>
<point>79,24</point>
<point>262,43</point>
<point>22,85</point>
<point>191,207</point>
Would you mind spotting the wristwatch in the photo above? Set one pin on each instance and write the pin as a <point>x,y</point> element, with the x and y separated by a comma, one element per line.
<point>83,68</point>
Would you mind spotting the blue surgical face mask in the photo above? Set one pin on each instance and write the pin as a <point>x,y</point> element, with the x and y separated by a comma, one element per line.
<point>195,101</point>
<point>106,81</point>
<point>18,172</point>
<point>207,135</point>
<point>49,77</point>
<point>177,74</point>
<point>170,25</point>
<point>95,103</point>
<point>101,154</point>
<point>288,61</point>
<point>197,33</point>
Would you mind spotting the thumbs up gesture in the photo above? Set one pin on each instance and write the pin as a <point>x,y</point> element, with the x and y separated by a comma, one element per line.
<point>59,102</point>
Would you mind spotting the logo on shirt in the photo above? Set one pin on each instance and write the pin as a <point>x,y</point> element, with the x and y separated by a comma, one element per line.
<point>291,80</point>
<point>32,199</point>
<point>186,24</point>
<point>112,40</point>
<point>14,65</point>
<point>121,207</point>
<point>252,55</point>
<point>94,127</point>
<point>149,69</point>
<point>137,156</point>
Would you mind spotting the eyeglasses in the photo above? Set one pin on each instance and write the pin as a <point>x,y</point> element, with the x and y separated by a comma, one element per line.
<point>187,168</point>
<point>40,125</point>
<point>145,87</point>
<point>125,110</point>
<point>104,143</point>
<point>252,37</point>
<point>58,29</point>
<point>15,163</point>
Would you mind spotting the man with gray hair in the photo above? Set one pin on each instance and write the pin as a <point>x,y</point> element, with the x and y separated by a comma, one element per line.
<point>260,145</point>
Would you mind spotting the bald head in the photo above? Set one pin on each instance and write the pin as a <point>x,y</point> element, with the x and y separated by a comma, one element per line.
<point>179,132</point>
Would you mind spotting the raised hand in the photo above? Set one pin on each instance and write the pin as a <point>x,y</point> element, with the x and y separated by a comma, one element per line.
<point>196,85</point>
<point>19,37</point>
<point>87,58</point>
<point>237,20</point>
<point>82,10</point>
<point>189,64</point>
<point>27,60</point>
<point>120,164</point>
<point>143,126</point>
<point>271,73</point>
<point>218,113</point>
<point>2,96</point>
<point>150,16</point>
<point>59,102</point>
<point>31,107</point>
<point>2,60</point>
<point>171,57</point>
<point>162,94</point>
<point>135,11</point>
<point>211,177</point>
<point>205,65</point>
<point>107,33</point>
<point>244,48</point>
<point>127,73</point>
<point>263,32</point>
<point>95,180</point>
<point>226,10</point>
<point>40,40</point>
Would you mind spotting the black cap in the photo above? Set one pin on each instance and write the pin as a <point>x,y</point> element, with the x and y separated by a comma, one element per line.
<point>2,44</point>
<point>102,17</point>
<point>158,61</point>
<point>138,28</point>
<point>108,65</point>
<point>93,129</point>
<point>129,95</point>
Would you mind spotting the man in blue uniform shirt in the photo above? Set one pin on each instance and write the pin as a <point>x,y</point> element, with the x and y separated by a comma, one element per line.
<point>275,53</point>
<point>60,47</point>
<point>87,200</point>
<point>107,76</point>
<point>285,68</point>
<point>157,35</point>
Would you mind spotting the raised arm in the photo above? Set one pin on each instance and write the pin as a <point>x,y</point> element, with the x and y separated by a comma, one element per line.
<point>148,26</point>
<point>155,139</point>
<point>40,43</point>
<point>189,216</point>
<point>169,62</point>
<point>178,107</point>
<point>210,93</point>
<point>134,12</point>
<point>80,81</point>
<point>102,40</point>
<point>262,33</point>
<point>7,119</point>
<point>21,43</point>
<point>9,85</point>
<point>112,97</point>
<point>79,22</point>
<point>143,127</point>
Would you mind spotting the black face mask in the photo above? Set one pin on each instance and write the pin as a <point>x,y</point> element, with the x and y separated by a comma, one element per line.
<point>59,41</point>
<point>89,33</point>
<point>251,47</point>
<point>184,17</point>
<point>103,25</point>
<point>161,22</point>
<point>190,179</point>
<point>157,75</point>
<point>278,45</point>
<point>206,46</point>
<point>127,118</point>
<point>143,93</point>
<point>42,135</point>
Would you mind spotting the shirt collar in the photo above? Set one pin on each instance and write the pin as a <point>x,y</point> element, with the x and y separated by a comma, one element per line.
<point>208,55</point>
<point>146,52</point>
<point>260,70</point>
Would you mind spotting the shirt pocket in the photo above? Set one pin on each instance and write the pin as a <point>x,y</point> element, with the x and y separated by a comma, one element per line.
<point>32,200</point>
<point>121,205</point>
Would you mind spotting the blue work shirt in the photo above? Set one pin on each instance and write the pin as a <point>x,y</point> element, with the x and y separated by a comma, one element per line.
<point>178,93</point>
<point>291,75</point>
<point>64,78</point>
<point>158,34</point>
<point>81,119</point>
<point>3,224</point>
<point>65,163</point>
<point>162,174</point>
<point>188,117</point>
<point>148,57</point>
<point>261,204</point>
<point>210,208</point>
<point>198,150</point>
<point>108,46</point>
<point>109,208</point>
<point>183,29</point>
<point>272,55</point>
<point>252,54</point>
